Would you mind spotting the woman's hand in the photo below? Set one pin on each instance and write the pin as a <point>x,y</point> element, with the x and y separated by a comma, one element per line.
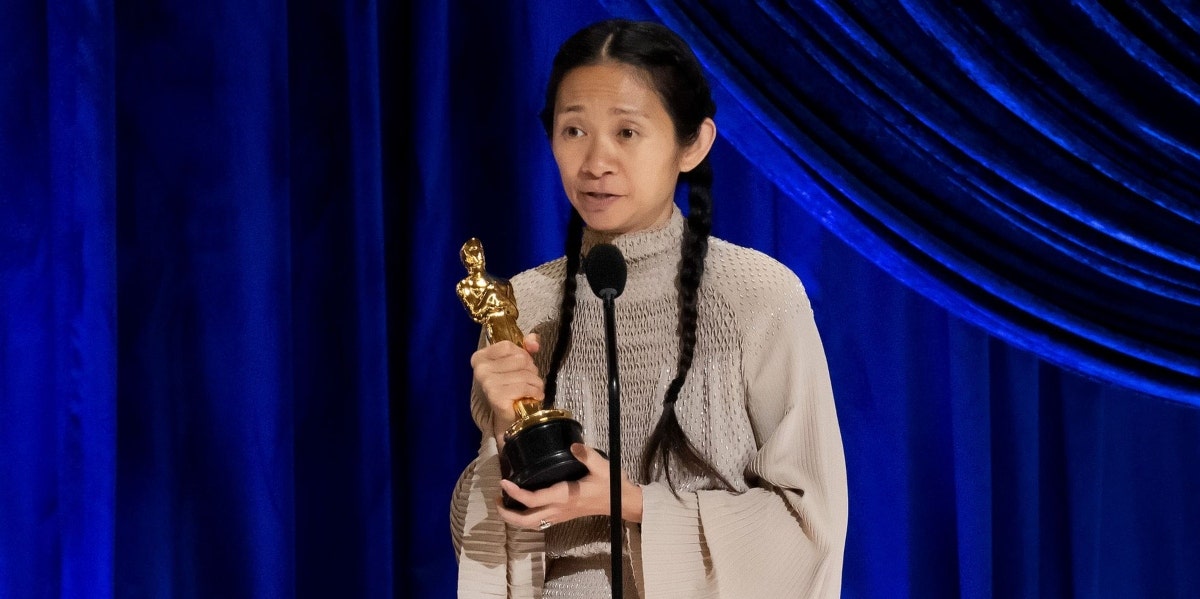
<point>507,373</point>
<point>568,500</point>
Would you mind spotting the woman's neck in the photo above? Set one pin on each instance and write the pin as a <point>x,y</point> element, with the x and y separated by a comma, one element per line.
<point>640,247</point>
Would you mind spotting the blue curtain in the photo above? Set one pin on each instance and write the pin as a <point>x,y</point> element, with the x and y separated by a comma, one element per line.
<point>231,362</point>
<point>1035,170</point>
<point>194,328</point>
<point>58,326</point>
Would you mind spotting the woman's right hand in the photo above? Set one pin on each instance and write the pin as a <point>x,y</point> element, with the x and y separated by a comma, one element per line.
<point>507,373</point>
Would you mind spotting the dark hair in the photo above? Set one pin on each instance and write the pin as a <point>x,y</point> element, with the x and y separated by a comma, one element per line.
<point>673,71</point>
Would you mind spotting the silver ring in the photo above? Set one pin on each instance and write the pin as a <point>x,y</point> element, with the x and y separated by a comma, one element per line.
<point>543,525</point>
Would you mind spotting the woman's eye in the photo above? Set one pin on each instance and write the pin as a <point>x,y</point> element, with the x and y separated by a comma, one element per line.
<point>572,132</point>
<point>627,133</point>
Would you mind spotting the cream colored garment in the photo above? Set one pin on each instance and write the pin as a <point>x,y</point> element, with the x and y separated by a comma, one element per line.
<point>757,403</point>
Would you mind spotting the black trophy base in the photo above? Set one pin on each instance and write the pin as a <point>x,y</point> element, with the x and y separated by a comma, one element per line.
<point>540,455</point>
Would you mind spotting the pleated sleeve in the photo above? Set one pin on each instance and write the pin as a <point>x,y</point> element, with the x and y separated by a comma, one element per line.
<point>494,558</point>
<point>785,536</point>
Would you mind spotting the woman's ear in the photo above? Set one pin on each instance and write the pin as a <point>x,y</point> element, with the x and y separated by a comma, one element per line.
<point>694,154</point>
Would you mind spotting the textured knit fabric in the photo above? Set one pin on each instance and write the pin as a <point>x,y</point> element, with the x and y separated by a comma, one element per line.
<point>757,403</point>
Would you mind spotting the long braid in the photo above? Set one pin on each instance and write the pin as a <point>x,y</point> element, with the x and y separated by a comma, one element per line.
<point>668,438</point>
<point>566,311</point>
<point>678,78</point>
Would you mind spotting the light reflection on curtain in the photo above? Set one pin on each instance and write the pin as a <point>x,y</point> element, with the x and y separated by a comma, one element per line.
<point>58,446</point>
<point>1035,169</point>
<point>193,385</point>
<point>201,203</point>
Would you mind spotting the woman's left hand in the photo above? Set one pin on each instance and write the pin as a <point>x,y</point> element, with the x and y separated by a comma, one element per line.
<point>568,500</point>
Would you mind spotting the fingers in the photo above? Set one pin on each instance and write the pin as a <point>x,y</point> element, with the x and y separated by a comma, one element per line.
<point>508,349</point>
<point>530,499</point>
<point>503,391</point>
<point>555,504</point>
<point>504,356</point>
<point>536,510</point>
<point>533,342</point>
<point>596,464</point>
<point>506,373</point>
<point>530,519</point>
<point>588,496</point>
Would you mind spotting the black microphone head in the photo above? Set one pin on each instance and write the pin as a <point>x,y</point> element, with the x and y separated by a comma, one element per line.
<point>606,272</point>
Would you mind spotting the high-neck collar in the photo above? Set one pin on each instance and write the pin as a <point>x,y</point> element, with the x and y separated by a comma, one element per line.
<point>639,246</point>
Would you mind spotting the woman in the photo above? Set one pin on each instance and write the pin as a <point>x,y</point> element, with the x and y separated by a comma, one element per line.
<point>741,486</point>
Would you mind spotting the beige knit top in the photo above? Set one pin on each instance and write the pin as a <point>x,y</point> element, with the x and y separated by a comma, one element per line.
<point>757,403</point>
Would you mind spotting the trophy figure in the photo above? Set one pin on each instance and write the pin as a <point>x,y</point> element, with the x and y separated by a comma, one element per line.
<point>537,447</point>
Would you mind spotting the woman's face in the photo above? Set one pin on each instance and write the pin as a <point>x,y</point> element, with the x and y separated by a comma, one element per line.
<point>615,148</point>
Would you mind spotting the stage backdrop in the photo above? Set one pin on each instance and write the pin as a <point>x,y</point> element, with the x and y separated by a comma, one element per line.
<point>232,364</point>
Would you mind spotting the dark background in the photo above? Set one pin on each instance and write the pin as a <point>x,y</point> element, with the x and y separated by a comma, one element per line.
<point>232,364</point>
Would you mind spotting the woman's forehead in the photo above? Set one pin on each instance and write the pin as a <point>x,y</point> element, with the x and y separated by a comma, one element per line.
<point>609,87</point>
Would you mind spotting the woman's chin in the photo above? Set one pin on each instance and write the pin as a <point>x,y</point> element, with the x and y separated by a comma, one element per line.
<point>604,223</point>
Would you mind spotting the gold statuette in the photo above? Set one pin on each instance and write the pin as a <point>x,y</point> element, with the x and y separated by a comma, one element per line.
<point>537,447</point>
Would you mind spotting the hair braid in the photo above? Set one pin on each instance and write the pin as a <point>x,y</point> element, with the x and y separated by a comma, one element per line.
<point>566,311</point>
<point>677,76</point>
<point>668,438</point>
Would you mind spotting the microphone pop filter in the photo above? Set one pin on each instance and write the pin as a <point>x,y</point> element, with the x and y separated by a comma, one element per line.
<point>606,271</point>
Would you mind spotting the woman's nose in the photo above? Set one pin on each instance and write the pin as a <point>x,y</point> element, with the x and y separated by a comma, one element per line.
<point>600,159</point>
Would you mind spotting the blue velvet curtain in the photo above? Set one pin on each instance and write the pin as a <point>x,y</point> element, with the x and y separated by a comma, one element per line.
<point>231,363</point>
<point>58,327</point>
<point>1033,169</point>
<point>195,398</point>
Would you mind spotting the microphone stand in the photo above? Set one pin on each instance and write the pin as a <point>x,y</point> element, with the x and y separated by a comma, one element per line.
<point>606,274</point>
<point>614,443</point>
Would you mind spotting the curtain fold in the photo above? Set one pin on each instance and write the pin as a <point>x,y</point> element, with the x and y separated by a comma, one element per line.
<point>58,305</point>
<point>208,445</point>
<point>194,320</point>
<point>82,188</point>
<point>339,314</point>
<point>1033,169</point>
<point>57,300</point>
<point>232,363</point>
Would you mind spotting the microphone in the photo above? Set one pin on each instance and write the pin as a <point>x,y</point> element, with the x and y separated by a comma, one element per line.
<point>606,274</point>
<point>606,271</point>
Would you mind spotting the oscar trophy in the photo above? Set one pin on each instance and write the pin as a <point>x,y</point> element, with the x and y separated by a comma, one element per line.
<point>537,447</point>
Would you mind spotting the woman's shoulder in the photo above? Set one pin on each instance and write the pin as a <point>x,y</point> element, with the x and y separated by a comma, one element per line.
<point>753,276</point>
<point>761,293</point>
<point>539,289</point>
<point>546,274</point>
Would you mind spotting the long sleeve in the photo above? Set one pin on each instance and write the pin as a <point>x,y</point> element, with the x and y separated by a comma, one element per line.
<point>477,532</point>
<point>494,559</point>
<point>784,536</point>
<point>757,401</point>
